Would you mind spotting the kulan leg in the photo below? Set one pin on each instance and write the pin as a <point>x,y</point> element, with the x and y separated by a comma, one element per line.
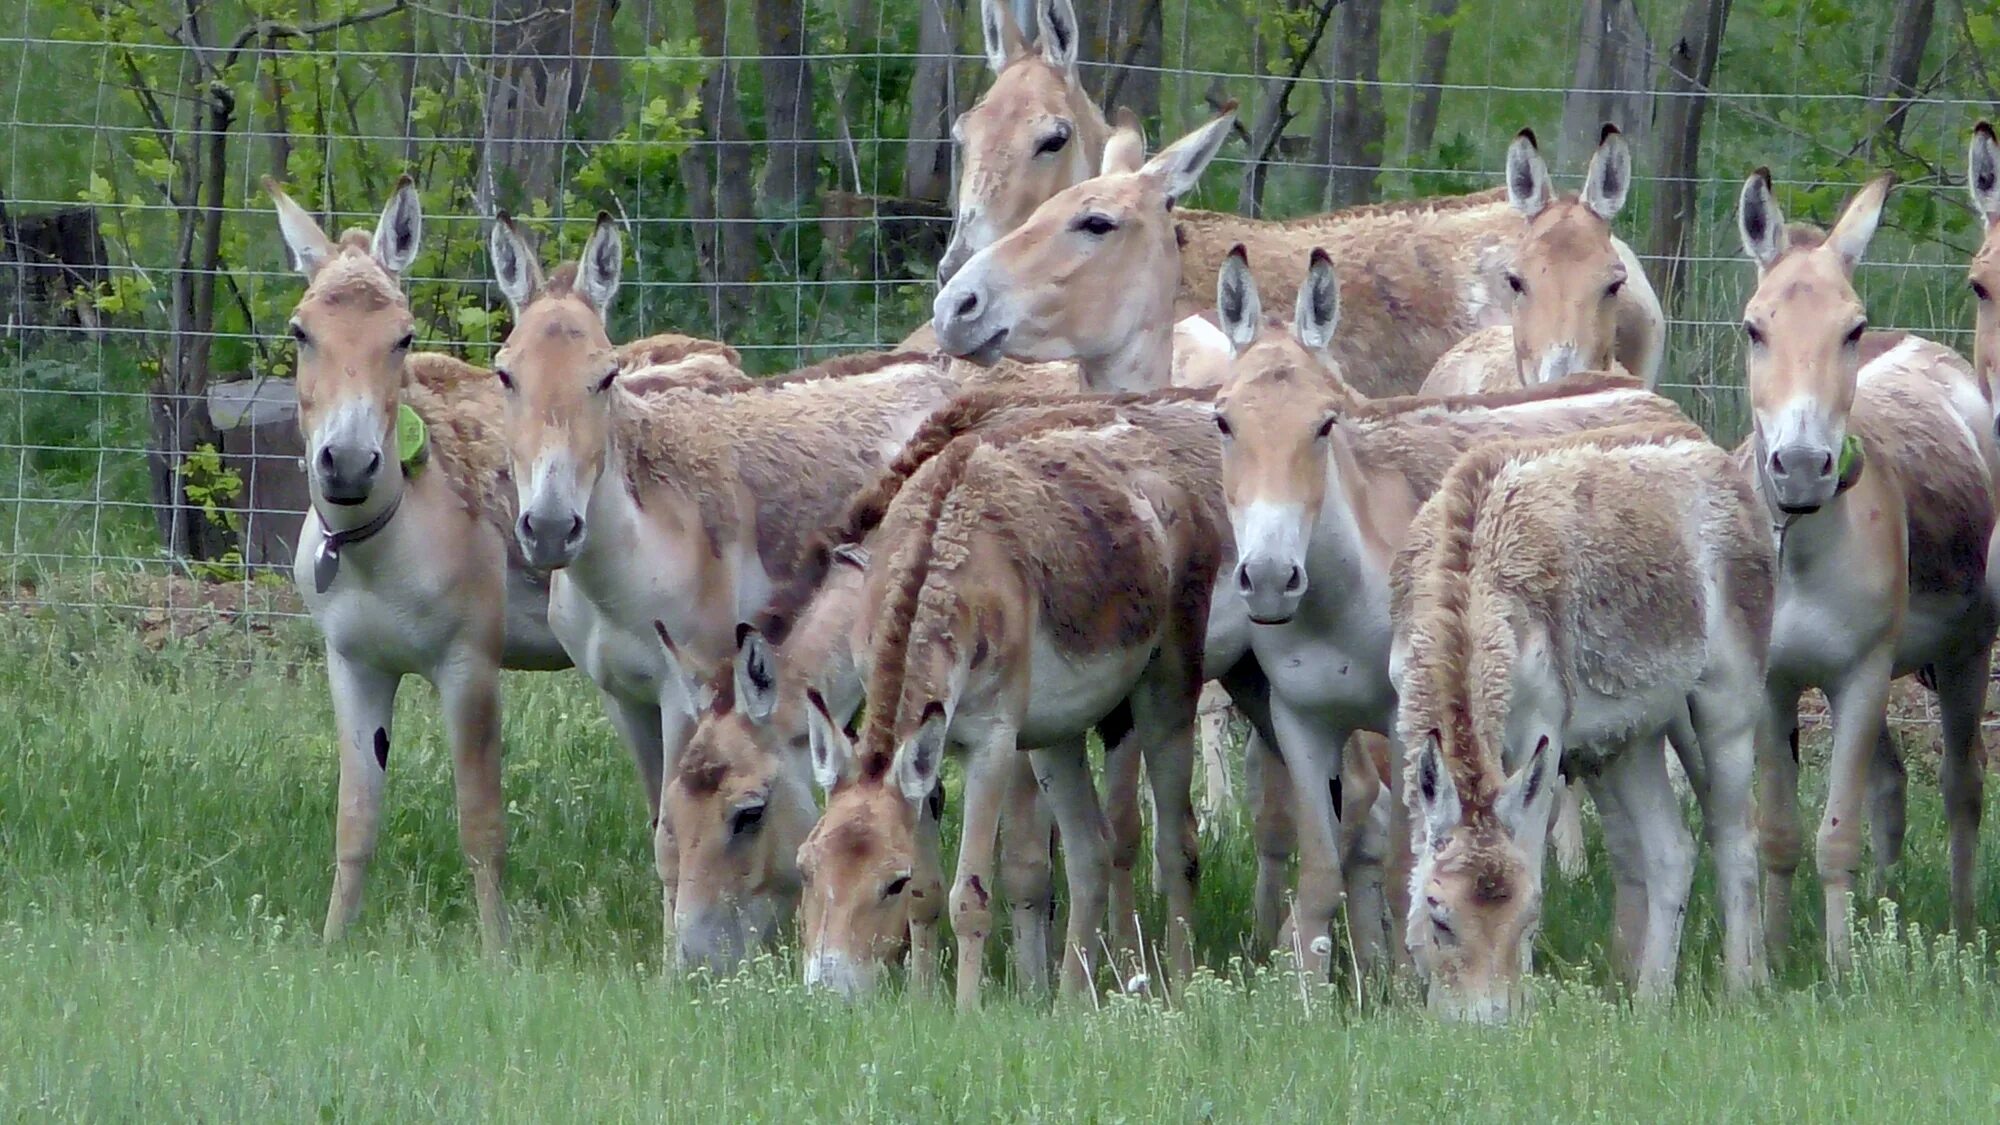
<point>1888,811</point>
<point>1312,755</point>
<point>1364,839</point>
<point>676,723</point>
<point>1779,837</point>
<point>1638,773</point>
<point>1064,776</point>
<point>364,702</point>
<point>469,689</point>
<point>1122,761</point>
<point>988,781</point>
<point>1164,718</point>
<point>1961,687</point>
<point>1628,877</point>
<point>1858,703</point>
<point>1027,875</point>
<point>638,727</point>
<point>1276,837</point>
<point>1728,723</point>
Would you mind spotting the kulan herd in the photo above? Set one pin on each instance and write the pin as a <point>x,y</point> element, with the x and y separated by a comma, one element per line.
<point>1434,536</point>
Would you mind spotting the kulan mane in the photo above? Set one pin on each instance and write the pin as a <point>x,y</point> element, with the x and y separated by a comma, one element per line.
<point>966,412</point>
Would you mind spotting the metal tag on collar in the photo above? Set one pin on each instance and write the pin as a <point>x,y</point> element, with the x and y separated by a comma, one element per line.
<point>326,564</point>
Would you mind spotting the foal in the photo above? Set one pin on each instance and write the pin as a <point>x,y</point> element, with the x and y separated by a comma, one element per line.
<point>1565,601</point>
<point>1578,299</point>
<point>403,560</point>
<point>1031,583</point>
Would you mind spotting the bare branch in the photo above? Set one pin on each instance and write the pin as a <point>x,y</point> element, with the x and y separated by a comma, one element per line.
<point>270,31</point>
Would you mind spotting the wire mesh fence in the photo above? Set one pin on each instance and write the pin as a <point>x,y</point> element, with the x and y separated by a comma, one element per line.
<point>784,170</point>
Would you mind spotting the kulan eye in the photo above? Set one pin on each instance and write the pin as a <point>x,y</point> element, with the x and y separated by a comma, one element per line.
<point>506,380</point>
<point>747,820</point>
<point>1094,225</point>
<point>1054,142</point>
<point>1515,283</point>
<point>895,886</point>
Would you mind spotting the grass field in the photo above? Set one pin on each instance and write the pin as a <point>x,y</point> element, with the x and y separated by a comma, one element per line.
<point>165,829</point>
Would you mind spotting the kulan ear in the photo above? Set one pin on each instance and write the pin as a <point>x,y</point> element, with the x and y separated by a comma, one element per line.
<point>1237,304</point>
<point>1125,151</point>
<point>832,751</point>
<point>1318,311</point>
<point>310,246</point>
<point>1004,41</point>
<point>1179,165</point>
<point>1433,793</point>
<point>756,675</point>
<point>1983,173</point>
<point>1608,181</point>
<point>694,698</point>
<point>1056,32</point>
<point>1521,802</point>
<point>401,228</point>
<point>1760,222</point>
<point>602,261</point>
<point>1856,226</point>
<point>919,759</point>
<point>1527,176</point>
<point>514,264</point>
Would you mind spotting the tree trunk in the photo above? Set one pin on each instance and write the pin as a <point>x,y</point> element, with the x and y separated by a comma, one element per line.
<point>791,168</point>
<point>1896,87</point>
<point>1274,114</point>
<point>1689,66</point>
<point>179,399</point>
<point>717,172</point>
<point>530,89</point>
<point>1439,22</point>
<point>927,158</point>
<point>1612,81</point>
<point>1359,123</point>
<point>600,92</point>
<point>1128,43</point>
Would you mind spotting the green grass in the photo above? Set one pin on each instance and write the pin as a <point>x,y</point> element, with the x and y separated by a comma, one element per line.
<point>165,828</point>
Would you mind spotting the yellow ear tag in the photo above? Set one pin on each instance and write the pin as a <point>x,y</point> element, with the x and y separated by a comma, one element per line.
<point>413,440</point>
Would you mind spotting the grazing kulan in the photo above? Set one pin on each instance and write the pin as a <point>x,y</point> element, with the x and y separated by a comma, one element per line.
<point>1579,299</point>
<point>678,509</point>
<point>1027,585</point>
<point>1321,486</point>
<point>1564,602</point>
<point>1876,478</point>
<point>404,559</point>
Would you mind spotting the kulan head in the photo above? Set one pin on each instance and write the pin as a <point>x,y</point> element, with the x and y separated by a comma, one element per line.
<point>354,330</point>
<point>1032,134</point>
<point>1983,179</point>
<point>1476,887</point>
<point>737,806</point>
<point>1091,270</point>
<point>864,864</point>
<point>558,369</point>
<point>1566,273</point>
<point>1277,416</point>
<point>1802,339</point>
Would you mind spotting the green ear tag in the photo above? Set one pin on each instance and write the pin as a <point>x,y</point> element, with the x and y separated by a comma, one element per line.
<point>1850,452</point>
<point>413,441</point>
